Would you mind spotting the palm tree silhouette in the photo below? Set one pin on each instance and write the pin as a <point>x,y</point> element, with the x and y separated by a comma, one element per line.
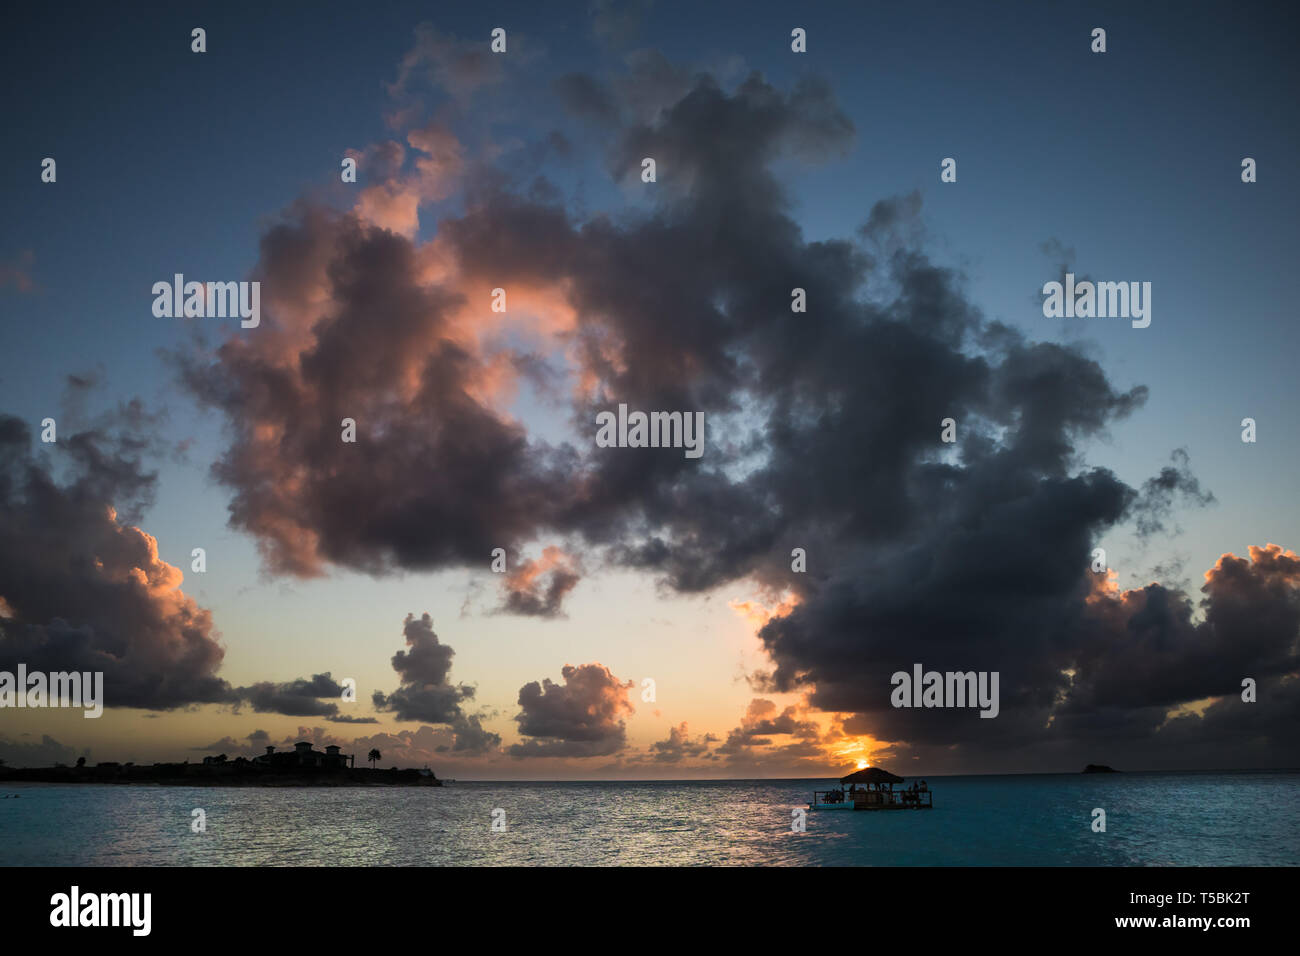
<point>374,756</point>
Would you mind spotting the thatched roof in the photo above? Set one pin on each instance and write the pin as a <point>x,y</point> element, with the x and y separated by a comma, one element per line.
<point>871,775</point>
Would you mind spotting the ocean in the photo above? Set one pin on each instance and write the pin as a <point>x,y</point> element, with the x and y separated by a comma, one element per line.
<point>1152,819</point>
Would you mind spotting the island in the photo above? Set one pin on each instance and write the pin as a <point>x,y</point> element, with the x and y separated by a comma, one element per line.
<point>1099,768</point>
<point>301,767</point>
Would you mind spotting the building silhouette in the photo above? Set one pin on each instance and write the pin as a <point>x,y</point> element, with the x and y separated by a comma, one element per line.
<point>303,756</point>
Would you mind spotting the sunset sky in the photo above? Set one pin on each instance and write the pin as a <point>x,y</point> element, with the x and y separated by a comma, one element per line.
<point>475,429</point>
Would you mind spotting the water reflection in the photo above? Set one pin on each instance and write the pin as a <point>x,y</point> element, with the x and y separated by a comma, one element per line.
<point>1153,819</point>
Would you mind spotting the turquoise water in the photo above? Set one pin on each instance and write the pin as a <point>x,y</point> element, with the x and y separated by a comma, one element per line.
<point>1152,820</point>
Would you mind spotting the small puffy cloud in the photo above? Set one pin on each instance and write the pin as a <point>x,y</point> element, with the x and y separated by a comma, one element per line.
<point>583,717</point>
<point>680,745</point>
<point>537,588</point>
<point>424,692</point>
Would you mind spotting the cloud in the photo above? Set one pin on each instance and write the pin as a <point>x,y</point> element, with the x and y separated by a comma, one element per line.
<point>442,63</point>
<point>393,201</point>
<point>680,745</point>
<point>46,753</point>
<point>536,588</point>
<point>81,589</point>
<point>1162,492</point>
<point>823,431</point>
<point>1144,650</point>
<point>366,324</point>
<point>436,478</point>
<point>471,738</point>
<point>580,718</point>
<point>296,698</point>
<point>406,748</point>
<point>223,745</point>
<point>790,740</point>
<point>761,722</point>
<point>1105,671</point>
<point>426,693</point>
<point>85,591</point>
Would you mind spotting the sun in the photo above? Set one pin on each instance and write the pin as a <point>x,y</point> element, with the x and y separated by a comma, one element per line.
<point>863,765</point>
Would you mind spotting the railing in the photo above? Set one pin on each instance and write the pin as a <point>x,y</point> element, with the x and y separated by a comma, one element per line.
<point>832,798</point>
<point>873,798</point>
<point>913,798</point>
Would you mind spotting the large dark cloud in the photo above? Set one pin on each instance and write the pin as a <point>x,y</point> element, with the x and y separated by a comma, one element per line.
<point>1149,648</point>
<point>85,591</point>
<point>823,427</point>
<point>434,478</point>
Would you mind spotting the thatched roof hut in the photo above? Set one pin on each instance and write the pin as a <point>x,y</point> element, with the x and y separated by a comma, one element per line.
<point>871,775</point>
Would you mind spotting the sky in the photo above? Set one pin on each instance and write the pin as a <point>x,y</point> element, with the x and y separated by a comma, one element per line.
<point>649,622</point>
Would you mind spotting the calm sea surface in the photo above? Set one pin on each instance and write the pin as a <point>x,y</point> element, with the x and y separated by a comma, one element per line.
<point>1152,820</point>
